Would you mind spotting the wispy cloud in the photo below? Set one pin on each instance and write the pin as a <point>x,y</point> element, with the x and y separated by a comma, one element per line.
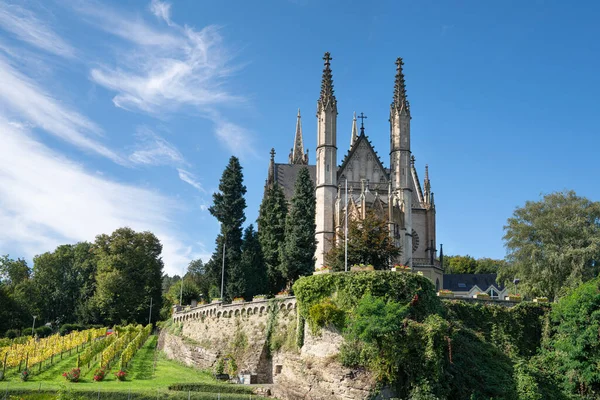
<point>235,137</point>
<point>189,178</point>
<point>162,10</point>
<point>26,26</point>
<point>23,96</point>
<point>154,150</point>
<point>47,200</point>
<point>168,69</point>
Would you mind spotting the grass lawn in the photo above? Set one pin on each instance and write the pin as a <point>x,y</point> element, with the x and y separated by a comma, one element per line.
<point>143,381</point>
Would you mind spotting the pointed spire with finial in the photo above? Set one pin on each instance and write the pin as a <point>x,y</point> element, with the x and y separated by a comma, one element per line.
<point>271,175</point>
<point>400,102</point>
<point>427,182</point>
<point>297,156</point>
<point>354,131</point>
<point>327,98</point>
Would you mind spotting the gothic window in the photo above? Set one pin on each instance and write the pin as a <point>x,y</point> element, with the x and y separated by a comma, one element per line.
<point>415,244</point>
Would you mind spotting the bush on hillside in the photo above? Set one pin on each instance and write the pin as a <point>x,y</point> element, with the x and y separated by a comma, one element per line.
<point>68,328</point>
<point>12,333</point>
<point>43,331</point>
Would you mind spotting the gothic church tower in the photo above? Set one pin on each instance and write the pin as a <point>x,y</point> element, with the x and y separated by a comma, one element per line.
<point>400,161</point>
<point>326,173</point>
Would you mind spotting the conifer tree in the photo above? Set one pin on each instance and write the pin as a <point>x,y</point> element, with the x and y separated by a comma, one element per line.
<point>228,207</point>
<point>300,244</point>
<point>271,234</point>
<point>253,264</point>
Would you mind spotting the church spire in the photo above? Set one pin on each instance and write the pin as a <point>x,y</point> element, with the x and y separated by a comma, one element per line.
<point>427,182</point>
<point>400,102</point>
<point>271,175</point>
<point>354,131</point>
<point>297,156</point>
<point>327,98</point>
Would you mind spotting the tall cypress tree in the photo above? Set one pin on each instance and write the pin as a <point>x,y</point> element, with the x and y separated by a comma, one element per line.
<point>300,244</point>
<point>228,207</point>
<point>271,234</point>
<point>253,264</point>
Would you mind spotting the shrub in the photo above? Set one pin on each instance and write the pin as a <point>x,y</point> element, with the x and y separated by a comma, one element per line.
<point>325,313</point>
<point>12,333</point>
<point>25,374</point>
<point>43,331</point>
<point>73,375</point>
<point>68,328</point>
<point>219,367</point>
<point>100,374</point>
<point>121,375</point>
<point>231,366</point>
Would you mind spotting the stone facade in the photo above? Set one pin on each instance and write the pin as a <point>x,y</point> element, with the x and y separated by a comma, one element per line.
<point>208,332</point>
<point>394,193</point>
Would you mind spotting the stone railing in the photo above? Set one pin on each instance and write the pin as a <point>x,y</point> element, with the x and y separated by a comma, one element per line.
<point>422,262</point>
<point>218,309</point>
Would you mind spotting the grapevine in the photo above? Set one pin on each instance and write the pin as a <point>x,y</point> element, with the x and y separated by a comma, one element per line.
<point>133,346</point>
<point>95,348</point>
<point>34,351</point>
<point>124,337</point>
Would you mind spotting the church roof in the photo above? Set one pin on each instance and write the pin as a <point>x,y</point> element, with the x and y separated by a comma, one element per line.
<point>362,137</point>
<point>465,282</point>
<point>286,174</point>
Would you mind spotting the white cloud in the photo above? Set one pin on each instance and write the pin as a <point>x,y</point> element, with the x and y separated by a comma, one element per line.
<point>167,70</point>
<point>235,137</point>
<point>154,150</point>
<point>47,200</point>
<point>162,10</point>
<point>27,27</point>
<point>21,95</point>
<point>189,178</point>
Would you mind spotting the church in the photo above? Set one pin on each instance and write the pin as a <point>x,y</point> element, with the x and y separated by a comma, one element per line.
<point>362,182</point>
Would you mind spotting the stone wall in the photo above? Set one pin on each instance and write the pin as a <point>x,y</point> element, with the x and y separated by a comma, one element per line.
<point>261,337</point>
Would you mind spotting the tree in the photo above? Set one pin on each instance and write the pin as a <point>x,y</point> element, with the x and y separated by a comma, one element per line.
<point>253,264</point>
<point>271,234</point>
<point>299,246</point>
<point>13,272</point>
<point>228,207</point>
<point>63,282</point>
<point>129,275</point>
<point>197,273</point>
<point>469,265</point>
<point>369,243</point>
<point>553,244</point>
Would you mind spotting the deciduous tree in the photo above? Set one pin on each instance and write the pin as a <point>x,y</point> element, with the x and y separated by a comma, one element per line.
<point>553,244</point>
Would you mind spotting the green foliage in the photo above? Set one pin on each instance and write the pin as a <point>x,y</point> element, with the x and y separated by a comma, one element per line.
<point>94,348</point>
<point>129,275</point>
<point>204,387</point>
<point>253,264</point>
<point>65,329</point>
<point>573,349</point>
<point>12,333</point>
<point>231,366</point>
<point>43,331</point>
<point>348,289</point>
<point>271,234</point>
<point>325,313</point>
<point>299,245</point>
<point>517,330</point>
<point>469,265</point>
<point>13,272</point>
<point>369,243</point>
<point>271,322</point>
<point>134,346</point>
<point>220,367</point>
<point>228,208</point>
<point>553,244</point>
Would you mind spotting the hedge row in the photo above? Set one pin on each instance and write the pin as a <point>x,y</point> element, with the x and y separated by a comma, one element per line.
<point>207,387</point>
<point>213,394</point>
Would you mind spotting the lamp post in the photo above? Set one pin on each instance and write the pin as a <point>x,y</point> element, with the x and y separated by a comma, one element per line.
<point>223,267</point>
<point>33,327</point>
<point>346,231</point>
<point>181,288</point>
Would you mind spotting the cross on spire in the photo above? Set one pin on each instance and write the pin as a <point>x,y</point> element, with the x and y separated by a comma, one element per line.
<point>362,123</point>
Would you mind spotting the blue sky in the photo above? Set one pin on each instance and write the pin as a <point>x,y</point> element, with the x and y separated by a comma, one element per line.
<point>125,113</point>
